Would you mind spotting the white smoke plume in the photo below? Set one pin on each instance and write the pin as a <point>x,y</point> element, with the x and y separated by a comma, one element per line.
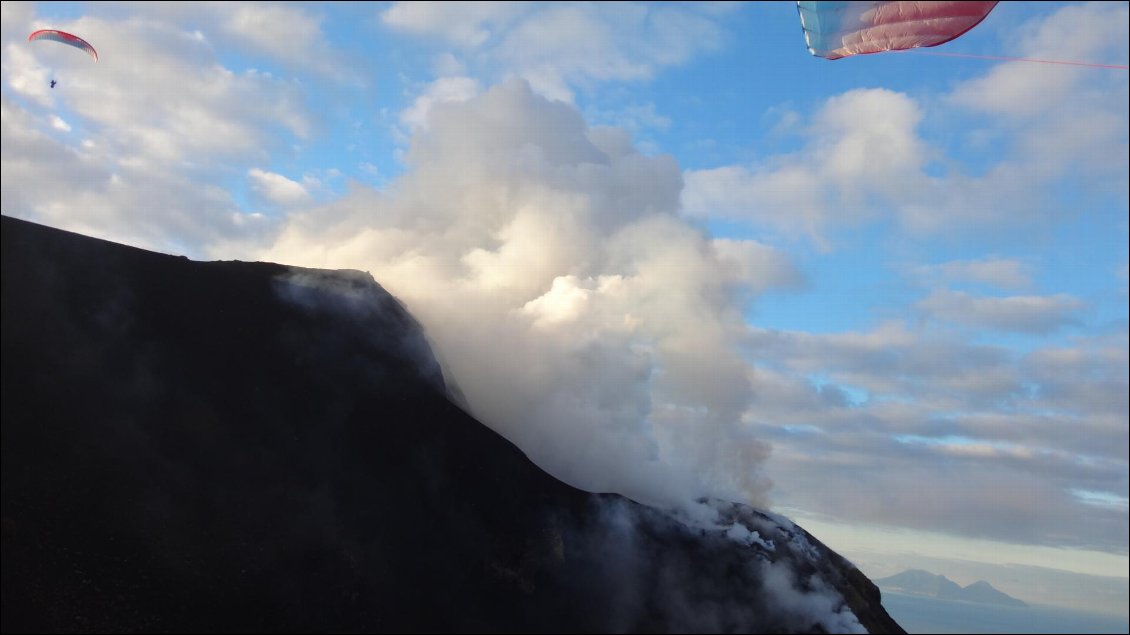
<point>579,314</point>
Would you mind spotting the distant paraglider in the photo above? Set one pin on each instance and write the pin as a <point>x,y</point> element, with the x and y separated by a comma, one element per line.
<point>65,38</point>
<point>834,30</point>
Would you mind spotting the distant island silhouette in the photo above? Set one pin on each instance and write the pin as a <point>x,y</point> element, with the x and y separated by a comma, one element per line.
<point>924,583</point>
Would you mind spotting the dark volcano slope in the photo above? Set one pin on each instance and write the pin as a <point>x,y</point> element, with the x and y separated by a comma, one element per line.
<point>249,447</point>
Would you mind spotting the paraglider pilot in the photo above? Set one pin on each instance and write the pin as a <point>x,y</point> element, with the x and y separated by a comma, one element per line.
<point>52,83</point>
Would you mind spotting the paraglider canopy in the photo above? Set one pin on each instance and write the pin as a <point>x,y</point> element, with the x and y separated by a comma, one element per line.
<point>65,38</point>
<point>839,29</point>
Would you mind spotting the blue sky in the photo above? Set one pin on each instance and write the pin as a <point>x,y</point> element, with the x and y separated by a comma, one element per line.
<point>660,246</point>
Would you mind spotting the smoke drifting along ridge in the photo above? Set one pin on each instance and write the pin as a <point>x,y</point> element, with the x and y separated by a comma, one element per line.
<point>579,314</point>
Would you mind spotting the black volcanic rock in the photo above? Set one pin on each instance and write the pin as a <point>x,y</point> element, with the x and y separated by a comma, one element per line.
<point>249,447</point>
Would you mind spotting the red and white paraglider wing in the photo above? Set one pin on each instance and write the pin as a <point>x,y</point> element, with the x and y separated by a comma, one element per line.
<point>64,38</point>
<point>840,29</point>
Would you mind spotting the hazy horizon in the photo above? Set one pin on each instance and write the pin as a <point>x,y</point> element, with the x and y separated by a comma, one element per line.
<point>920,614</point>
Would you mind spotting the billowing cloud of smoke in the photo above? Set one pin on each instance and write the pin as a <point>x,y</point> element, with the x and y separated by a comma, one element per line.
<point>579,315</point>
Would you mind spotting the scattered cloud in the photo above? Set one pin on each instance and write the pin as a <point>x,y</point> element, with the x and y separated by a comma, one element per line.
<point>895,427</point>
<point>559,47</point>
<point>285,33</point>
<point>1023,314</point>
<point>154,142</point>
<point>862,152</point>
<point>58,124</point>
<point>465,24</point>
<point>444,89</point>
<point>277,188</point>
<point>865,159</point>
<point>1001,273</point>
<point>1061,119</point>
<point>757,266</point>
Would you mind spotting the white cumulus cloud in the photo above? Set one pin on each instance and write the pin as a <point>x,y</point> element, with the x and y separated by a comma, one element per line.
<point>277,188</point>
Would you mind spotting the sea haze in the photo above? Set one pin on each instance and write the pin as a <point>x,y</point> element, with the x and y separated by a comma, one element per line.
<point>919,614</point>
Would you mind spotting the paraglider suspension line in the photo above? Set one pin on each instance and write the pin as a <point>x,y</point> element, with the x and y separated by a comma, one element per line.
<point>1013,59</point>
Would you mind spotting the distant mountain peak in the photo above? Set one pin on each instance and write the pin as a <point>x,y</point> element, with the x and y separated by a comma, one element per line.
<point>925,583</point>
